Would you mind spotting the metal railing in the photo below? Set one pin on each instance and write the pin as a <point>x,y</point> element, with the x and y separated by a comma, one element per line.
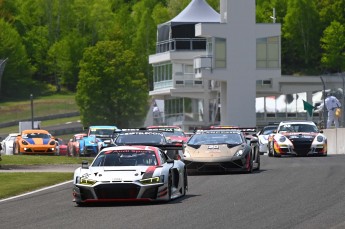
<point>181,44</point>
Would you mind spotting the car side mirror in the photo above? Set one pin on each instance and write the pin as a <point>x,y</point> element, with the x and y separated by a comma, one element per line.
<point>170,161</point>
<point>321,131</point>
<point>85,164</point>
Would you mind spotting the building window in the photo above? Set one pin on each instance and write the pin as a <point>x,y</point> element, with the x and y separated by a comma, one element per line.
<point>183,109</point>
<point>188,69</point>
<point>267,52</point>
<point>220,53</point>
<point>162,75</point>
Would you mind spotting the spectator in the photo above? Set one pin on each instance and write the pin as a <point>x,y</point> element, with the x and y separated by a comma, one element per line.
<point>331,104</point>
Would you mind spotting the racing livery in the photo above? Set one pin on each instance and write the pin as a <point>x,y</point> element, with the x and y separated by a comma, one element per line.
<point>263,137</point>
<point>95,136</point>
<point>76,144</point>
<point>222,150</point>
<point>130,173</point>
<point>35,142</point>
<point>297,138</point>
<point>174,133</point>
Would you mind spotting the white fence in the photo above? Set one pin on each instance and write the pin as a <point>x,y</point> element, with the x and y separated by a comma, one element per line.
<point>335,140</point>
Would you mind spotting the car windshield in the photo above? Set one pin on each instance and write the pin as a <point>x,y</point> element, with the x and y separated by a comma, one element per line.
<point>298,128</point>
<point>36,135</point>
<point>216,138</point>
<point>101,132</point>
<point>174,133</point>
<point>268,130</point>
<point>123,139</point>
<point>126,158</point>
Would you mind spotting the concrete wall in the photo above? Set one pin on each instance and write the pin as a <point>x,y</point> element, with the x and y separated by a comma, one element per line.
<point>335,140</point>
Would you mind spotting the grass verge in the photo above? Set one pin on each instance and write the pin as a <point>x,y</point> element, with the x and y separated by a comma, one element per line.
<point>41,160</point>
<point>19,183</point>
<point>22,182</point>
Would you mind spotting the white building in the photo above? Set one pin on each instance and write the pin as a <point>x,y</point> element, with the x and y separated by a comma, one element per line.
<point>218,68</point>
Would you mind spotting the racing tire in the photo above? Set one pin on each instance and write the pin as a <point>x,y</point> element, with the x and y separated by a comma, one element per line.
<point>169,187</point>
<point>269,153</point>
<point>185,182</point>
<point>258,162</point>
<point>250,168</point>
<point>276,154</point>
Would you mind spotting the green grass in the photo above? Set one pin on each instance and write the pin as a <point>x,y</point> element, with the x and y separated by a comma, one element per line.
<point>22,182</point>
<point>41,160</point>
<point>18,183</point>
<point>53,122</point>
<point>48,105</point>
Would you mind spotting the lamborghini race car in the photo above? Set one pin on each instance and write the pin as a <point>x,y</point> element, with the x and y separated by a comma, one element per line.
<point>35,142</point>
<point>297,138</point>
<point>221,150</point>
<point>130,173</point>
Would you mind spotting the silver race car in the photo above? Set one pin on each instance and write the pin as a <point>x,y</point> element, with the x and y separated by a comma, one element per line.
<point>130,173</point>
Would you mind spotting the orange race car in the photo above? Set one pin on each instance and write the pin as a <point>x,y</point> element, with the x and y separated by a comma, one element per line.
<point>35,142</point>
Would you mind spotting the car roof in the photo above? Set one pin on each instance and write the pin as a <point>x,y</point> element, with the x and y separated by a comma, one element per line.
<point>35,131</point>
<point>298,121</point>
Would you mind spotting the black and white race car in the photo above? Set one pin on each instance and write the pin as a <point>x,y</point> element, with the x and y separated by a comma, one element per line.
<point>130,173</point>
<point>297,138</point>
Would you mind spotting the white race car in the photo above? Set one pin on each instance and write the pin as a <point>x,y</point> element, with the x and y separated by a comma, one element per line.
<point>130,173</point>
<point>297,138</point>
<point>263,137</point>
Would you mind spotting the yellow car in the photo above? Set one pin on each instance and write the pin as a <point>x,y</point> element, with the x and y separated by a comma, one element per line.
<point>35,142</point>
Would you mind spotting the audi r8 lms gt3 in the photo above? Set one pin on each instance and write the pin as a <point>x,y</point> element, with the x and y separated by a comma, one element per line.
<point>34,142</point>
<point>221,150</point>
<point>263,137</point>
<point>130,173</point>
<point>297,138</point>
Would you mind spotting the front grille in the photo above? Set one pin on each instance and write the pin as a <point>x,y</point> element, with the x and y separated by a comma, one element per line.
<point>150,193</point>
<point>85,193</point>
<point>117,191</point>
<point>302,146</point>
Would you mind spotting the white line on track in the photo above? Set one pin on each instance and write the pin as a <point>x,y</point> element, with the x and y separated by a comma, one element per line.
<point>39,190</point>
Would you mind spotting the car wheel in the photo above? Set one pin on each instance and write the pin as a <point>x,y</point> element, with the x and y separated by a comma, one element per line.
<point>185,182</point>
<point>269,149</point>
<point>275,154</point>
<point>258,162</point>
<point>169,186</point>
<point>250,166</point>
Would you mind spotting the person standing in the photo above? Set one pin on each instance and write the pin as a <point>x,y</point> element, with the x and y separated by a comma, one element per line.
<point>331,104</point>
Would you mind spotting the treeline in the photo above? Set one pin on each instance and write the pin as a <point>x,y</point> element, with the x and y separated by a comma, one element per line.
<point>99,48</point>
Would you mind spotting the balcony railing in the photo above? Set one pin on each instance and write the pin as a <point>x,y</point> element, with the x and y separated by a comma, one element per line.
<point>181,44</point>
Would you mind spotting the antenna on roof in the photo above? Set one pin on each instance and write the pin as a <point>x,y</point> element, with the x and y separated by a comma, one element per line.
<point>274,15</point>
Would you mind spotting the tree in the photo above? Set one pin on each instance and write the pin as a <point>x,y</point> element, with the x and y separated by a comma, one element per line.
<point>301,32</point>
<point>333,44</point>
<point>111,90</point>
<point>16,79</point>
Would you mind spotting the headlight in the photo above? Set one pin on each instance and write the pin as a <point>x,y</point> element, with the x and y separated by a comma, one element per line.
<point>25,142</point>
<point>282,139</point>
<point>319,138</point>
<point>86,181</point>
<point>153,180</point>
<point>239,153</point>
<point>186,153</point>
<point>52,143</point>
